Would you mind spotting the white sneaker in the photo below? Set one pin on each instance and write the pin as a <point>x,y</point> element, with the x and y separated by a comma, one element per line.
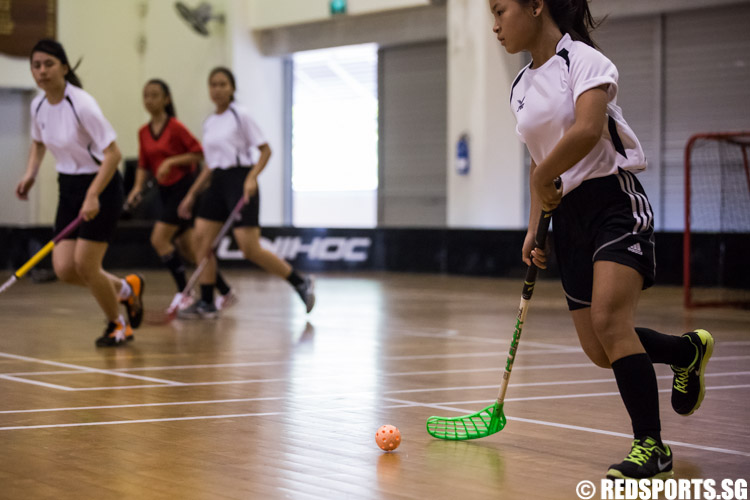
<point>225,301</point>
<point>181,302</point>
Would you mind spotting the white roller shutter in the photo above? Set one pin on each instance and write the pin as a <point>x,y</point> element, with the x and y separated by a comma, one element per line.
<point>413,130</point>
<point>707,77</point>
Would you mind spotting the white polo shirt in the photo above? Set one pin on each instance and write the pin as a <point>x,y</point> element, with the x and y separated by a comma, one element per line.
<point>231,139</point>
<point>543,102</point>
<point>73,130</point>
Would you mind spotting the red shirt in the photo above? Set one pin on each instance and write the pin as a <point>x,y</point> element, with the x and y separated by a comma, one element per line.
<point>174,139</point>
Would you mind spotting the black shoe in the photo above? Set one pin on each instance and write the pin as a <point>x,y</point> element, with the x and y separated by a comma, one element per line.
<point>116,333</point>
<point>688,385</point>
<point>199,310</point>
<point>134,303</point>
<point>646,460</point>
<point>306,291</point>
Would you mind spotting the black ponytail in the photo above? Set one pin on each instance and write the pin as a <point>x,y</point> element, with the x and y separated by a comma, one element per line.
<point>56,50</point>
<point>573,17</point>
<point>169,108</point>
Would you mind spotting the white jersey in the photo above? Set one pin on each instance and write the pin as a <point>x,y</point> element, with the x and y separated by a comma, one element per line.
<point>231,139</point>
<point>74,130</point>
<point>543,101</point>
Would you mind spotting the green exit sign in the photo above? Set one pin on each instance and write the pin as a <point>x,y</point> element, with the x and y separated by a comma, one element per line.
<point>337,7</point>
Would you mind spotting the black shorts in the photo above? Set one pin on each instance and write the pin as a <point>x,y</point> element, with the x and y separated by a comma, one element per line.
<point>226,188</point>
<point>72,193</point>
<point>170,198</point>
<point>609,219</point>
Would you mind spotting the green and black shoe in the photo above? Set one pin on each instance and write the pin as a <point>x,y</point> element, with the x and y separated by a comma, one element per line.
<point>688,385</point>
<point>646,460</point>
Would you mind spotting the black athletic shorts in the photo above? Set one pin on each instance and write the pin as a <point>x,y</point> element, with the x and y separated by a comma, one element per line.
<point>72,193</point>
<point>223,194</point>
<point>170,198</point>
<point>609,219</point>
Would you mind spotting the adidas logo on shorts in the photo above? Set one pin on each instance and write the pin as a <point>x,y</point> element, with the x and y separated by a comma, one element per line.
<point>636,248</point>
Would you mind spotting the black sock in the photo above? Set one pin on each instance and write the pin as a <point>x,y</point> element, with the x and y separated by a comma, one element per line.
<point>295,279</point>
<point>207,293</point>
<point>636,380</point>
<point>221,285</point>
<point>177,268</point>
<point>670,349</point>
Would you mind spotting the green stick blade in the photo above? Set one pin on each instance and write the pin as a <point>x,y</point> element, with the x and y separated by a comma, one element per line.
<point>477,425</point>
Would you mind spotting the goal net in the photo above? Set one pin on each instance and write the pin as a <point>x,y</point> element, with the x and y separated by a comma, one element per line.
<point>716,270</point>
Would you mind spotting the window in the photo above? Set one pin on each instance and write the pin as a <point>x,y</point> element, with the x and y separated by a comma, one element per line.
<point>335,137</point>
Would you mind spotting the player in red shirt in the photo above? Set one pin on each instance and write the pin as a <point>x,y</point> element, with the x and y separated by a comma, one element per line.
<point>171,154</point>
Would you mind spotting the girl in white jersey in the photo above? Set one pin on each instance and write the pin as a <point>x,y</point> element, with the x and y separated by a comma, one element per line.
<point>67,121</point>
<point>235,153</point>
<point>565,104</point>
<point>169,153</point>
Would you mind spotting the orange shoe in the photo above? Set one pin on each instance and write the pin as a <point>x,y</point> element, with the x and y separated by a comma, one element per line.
<point>134,303</point>
<point>116,333</point>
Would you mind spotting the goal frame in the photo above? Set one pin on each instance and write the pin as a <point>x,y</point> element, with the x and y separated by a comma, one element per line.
<point>689,302</point>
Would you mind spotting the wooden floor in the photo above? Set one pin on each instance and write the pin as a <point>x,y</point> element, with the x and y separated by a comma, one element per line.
<point>268,402</point>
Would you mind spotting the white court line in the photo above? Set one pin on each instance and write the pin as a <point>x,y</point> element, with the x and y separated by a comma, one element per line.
<point>516,368</point>
<point>329,396</point>
<point>398,374</point>
<point>553,383</point>
<point>81,369</point>
<point>50,372</point>
<point>204,417</point>
<point>267,380</point>
<point>254,381</point>
<point>485,354</point>
<point>728,358</point>
<point>36,382</point>
<point>583,395</point>
<point>170,403</point>
<point>200,384</point>
<point>506,341</point>
<point>77,369</point>
<point>86,369</point>
<point>596,431</point>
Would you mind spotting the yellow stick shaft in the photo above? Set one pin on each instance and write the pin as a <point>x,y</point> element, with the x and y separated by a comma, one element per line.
<point>35,259</point>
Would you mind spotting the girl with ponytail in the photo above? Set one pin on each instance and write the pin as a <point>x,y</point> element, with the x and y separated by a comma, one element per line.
<point>236,152</point>
<point>68,121</point>
<point>565,105</point>
<point>169,153</point>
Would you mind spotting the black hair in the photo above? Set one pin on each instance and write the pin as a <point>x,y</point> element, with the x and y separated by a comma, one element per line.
<point>169,108</point>
<point>228,73</point>
<point>56,50</point>
<point>572,17</point>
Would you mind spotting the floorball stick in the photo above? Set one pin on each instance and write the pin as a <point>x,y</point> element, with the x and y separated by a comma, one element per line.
<point>45,250</point>
<point>171,312</point>
<point>492,418</point>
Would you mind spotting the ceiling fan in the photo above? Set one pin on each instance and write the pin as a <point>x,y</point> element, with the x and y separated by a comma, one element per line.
<point>199,16</point>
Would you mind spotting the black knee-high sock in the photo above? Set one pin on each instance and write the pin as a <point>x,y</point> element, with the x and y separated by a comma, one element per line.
<point>207,293</point>
<point>177,268</point>
<point>221,285</point>
<point>295,279</point>
<point>636,380</point>
<point>670,349</point>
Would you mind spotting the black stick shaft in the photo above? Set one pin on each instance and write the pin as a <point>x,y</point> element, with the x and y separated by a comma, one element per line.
<point>539,242</point>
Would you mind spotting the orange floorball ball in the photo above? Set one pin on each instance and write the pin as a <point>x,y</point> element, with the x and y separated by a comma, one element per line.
<point>388,437</point>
